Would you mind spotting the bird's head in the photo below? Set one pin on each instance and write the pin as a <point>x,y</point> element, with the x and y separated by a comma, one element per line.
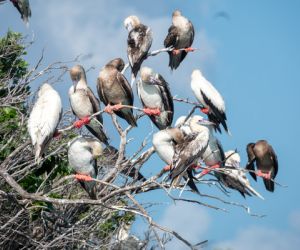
<point>131,22</point>
<point>176,13</point>
<point>148,76</point>
<point>77,73</point>
<point>117,63</point>
<point>44,88</point>
<point>198,119</point>
<point>196,74</point>
<point>96,148</point>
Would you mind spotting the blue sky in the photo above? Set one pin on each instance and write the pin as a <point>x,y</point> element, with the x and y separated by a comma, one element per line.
<point>252,58</point>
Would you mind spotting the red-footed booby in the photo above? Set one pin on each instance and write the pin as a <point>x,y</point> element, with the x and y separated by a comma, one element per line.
<point>265,157</point>
<point>154,93</point>
<point>193,147</point>
<point>84,103</point>
<point>82,155</point>
<point>113,88</point>
<point>138,42</point>
<point>210,98</point>
<point>165,143</point>
<point>44,119</point>
<point>234,177</point>
<point>180,36</point>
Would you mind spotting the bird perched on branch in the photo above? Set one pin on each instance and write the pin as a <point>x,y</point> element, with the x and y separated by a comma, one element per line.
<point>154,93</point>
<point>82,155</point>
<point>84,103</point>
<point>113,89</point>
<point>265,157</point>
<point>138,43</point>
<point>180,36</point>
<point>44,119</point>
<point>193,148</point>
<point>24,9</point>
<point>234,176</point>
<point>210,98</point>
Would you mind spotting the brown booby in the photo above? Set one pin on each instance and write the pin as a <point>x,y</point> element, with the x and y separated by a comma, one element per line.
<point>266,162</point>
<point>113,89</point>
<point>82,155</point>
<point>154,93</point>
<point>180,36</point>
<point>24,9</point>
<point>138,43</point>
<point>84,103</point>
<point>210,98</point>
<point>44,119</point>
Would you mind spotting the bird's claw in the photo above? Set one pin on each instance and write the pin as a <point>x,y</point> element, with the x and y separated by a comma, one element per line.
<point>205,110</point>
<point>209,169</point>
<point>167,168</point>
<point>111,108</point>
<point>189,49</point>
<point>149,111</point>
<point>84,121</point>
<point>195,166</point>
<point>56,135</point>
<point>176,51</point>
<point>82,177</point>
<point>264,175</point>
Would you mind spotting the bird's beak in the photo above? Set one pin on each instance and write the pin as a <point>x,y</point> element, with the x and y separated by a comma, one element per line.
<point>206,123</point>
<point>75,82</point>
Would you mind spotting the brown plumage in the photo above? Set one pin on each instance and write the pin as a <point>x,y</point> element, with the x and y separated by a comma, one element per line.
<point>180,35</point>
<point>84,103</point>
<point>266,161</point>
<point>113,88</point>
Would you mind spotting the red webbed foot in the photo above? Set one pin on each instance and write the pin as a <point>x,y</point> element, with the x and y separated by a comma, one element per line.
<point>209,169</point>
<point>264,175</point>
<point>167,168</point>
<point>189,49</point>
<point>111,108</point>
<point>82,177</point>
<point>205,110</point>
<point>150,111</point>
<point>84,121</point>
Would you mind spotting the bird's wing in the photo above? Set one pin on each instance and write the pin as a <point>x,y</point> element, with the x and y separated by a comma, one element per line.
<point>95,103</point>
<point>251,159</point>
<point>192,32</point>
<point>127,90</point>
<point>219,145</point>
<point>167,97</point>
<point>100,89</point>
<point>139,42</point>
<point>218,112</point>
<point>275,161</point>
<point>172,37</point>
<point>186,153</point>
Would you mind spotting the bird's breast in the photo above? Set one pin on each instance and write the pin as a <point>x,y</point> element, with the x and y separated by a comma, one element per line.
<point>151,96</point>
<point>81,104</point>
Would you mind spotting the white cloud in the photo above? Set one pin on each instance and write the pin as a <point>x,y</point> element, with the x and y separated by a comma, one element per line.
<point>265,238</point>
<point>187,219</point>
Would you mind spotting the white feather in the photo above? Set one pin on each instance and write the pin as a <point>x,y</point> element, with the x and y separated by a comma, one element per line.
<point>45,115</point>
<point>199,83</point>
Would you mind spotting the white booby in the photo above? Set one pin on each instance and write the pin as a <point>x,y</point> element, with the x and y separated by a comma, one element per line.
<point>82,155</point>
<point>84,103</point>
<point>234,177</point>
<point>24,9</point>
<point>180,36</point>
<point>44,119</point>
<point>193,147</point>
<point>154,93</point>
<point>210,98</point>
<point>113,88</point>
<point>265,157</point>
<point>138,43</point>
